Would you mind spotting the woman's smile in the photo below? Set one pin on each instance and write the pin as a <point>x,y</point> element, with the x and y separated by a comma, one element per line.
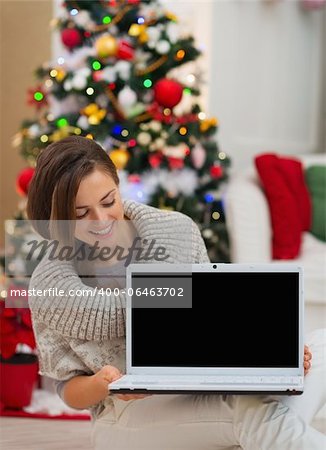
<point>104,232</point>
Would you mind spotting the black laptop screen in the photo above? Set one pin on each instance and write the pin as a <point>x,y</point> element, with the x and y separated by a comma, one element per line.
<point>223,320</point>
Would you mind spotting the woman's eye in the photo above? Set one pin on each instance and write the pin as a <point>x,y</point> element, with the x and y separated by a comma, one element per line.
<point>82,215</point>
<point>107,205</point>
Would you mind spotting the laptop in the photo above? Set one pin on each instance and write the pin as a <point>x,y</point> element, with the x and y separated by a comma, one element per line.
<point>213,328</point>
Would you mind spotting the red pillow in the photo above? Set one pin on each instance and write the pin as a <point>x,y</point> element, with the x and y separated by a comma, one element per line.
<point>287,223</point>
<point>293,174</point>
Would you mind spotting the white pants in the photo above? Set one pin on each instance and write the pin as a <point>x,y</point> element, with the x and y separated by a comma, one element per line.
<point>209,422</point>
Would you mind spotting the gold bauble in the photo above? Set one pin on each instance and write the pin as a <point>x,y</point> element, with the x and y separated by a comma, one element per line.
<point>119,158</point>
<point>106,46</point>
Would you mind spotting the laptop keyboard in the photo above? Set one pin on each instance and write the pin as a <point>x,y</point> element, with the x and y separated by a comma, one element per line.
<point>225,380</point>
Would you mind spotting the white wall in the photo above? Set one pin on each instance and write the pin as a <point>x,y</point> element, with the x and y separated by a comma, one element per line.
<point>266,78</point>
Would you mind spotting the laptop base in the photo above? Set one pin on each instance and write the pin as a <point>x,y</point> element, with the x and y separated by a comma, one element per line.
<point>200,392</point>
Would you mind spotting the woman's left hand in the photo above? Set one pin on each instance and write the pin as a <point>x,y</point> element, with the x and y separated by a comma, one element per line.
<point>306,359</point>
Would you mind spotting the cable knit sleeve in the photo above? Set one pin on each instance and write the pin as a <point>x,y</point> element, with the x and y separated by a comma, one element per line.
<point>87,316</point>
<point>199,249</point>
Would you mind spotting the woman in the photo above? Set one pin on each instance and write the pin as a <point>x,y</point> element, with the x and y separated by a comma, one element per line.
<point>81,338</point>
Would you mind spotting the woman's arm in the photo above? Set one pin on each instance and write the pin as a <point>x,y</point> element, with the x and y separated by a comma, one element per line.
<point>79,312</point>
<point>84,391</point>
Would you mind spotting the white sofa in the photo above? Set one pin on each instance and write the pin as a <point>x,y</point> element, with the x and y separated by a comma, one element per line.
<point>250,234</point>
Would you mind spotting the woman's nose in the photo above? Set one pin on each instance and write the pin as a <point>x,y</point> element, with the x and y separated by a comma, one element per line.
<point>99,215</point>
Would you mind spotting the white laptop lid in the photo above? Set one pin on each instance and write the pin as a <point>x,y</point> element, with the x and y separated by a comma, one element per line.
<point>232,319</point>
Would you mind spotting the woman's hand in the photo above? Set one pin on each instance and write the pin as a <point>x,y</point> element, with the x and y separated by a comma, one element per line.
<point>306,359</point>
<point>107,375</point>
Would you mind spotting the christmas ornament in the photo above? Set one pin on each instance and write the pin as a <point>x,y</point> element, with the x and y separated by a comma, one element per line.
<point>172,32</point>
<point>198,156</point>
<point>167,93</point>
<point>109,74</point>
<point>155,125</point>
<point>175,163</point>
<point>206,124</point>
<point>135,111</point>
<point>79,82</point>
<point>127,97</point>
<point>71,37</point>
<point>176,151</point>
<point>163,47</point>
<point>83,123</point>
<point>106,46</point>
<point>125,50</point>
<point>58,73</point>
<point>154,34</point>
<point>94,113</point>
<point>216,171</point>
<point>134,178</point>
<point>61,133</point>
<point>98,76</point>
<point>23,180</point>
<point>144,138</point>
<point>123,69</point>
<point>139,31</point>
<point>119,158</point>
<point>155,160</point>
<point>67,85</point>
<point>159,143</point>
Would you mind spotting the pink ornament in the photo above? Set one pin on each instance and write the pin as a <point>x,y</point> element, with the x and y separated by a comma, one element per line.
<point>198,156</point>
<point>97,76</point>
<point>134,178</point>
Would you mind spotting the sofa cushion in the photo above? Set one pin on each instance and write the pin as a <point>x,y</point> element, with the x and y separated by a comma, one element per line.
<point>284,210</point>
<point>316,180</point>
<point>294,177</point>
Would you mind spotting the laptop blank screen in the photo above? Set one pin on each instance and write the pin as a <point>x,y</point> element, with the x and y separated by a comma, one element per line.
<point>235,320</point>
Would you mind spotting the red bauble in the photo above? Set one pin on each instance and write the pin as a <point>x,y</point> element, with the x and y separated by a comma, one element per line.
<point>167,93</point>
<point>71,37</point>
<point>23,180</point>
<point>155,160</point>
<point>216,171</point>
<point>125,50</point>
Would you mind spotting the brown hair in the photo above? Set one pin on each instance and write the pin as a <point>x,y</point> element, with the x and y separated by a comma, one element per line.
<point>59,170</point>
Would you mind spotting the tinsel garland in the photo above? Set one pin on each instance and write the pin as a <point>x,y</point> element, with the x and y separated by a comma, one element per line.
<point>155,65</point>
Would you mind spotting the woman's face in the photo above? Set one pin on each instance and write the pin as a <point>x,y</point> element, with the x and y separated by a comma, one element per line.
<point>99,209</point>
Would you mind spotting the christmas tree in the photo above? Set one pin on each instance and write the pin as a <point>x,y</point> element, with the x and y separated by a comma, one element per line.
<point>118,82</point>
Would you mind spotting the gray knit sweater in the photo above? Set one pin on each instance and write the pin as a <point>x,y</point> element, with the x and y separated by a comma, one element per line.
<point>80,334</point>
